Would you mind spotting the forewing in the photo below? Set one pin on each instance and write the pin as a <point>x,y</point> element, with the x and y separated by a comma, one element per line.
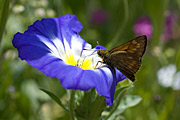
<point>127,57</point>
<point>136,46</point>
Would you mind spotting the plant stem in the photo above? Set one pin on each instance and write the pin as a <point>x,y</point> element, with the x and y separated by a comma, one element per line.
<point>4,15</point>
<point>72,105</point>
<point>4,12</point>
<point>121,26</point>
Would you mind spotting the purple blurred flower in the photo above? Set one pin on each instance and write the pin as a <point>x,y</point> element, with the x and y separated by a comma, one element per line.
<point>143,26</point>
<point>11,88</point>
<point>170,24</point>
<point>54,47</point>
<point>98,16</point>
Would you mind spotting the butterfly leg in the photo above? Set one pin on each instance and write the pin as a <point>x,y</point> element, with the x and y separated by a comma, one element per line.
<point>114,73</point>
<point>97,64</point>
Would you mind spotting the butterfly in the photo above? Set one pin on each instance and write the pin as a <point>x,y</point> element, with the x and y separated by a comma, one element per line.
<point>126,57</point>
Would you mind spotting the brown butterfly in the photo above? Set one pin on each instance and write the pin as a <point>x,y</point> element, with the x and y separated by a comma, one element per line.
<point>126,57</point>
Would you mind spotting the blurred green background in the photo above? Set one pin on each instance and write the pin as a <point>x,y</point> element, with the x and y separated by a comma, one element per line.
<point>109,22</point>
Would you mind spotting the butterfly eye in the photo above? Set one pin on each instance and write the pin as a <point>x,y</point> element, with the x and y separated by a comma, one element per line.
<point>99,53</point>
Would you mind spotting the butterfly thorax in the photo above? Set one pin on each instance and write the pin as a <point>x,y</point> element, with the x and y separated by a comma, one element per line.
<point>105,55</point>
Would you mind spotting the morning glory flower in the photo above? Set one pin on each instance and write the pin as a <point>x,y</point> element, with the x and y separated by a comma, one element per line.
<point>54,47</point>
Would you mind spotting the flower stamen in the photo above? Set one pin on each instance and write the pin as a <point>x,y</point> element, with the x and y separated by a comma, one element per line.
<point>84,63</point>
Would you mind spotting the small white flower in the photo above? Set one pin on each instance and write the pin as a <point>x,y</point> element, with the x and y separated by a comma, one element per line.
<point>176,82</point>
<point>167,77</point>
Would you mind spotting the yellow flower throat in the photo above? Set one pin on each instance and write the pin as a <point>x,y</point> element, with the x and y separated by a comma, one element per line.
<point>82,63</point>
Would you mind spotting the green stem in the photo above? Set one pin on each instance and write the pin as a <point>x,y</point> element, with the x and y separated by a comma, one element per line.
<point>72,104</point>
<point>121,26</point>
<point>116,105</point>
<point>4,11</point>
<point>4,15</point>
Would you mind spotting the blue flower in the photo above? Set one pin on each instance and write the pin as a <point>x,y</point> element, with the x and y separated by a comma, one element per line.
<point>54,47</point>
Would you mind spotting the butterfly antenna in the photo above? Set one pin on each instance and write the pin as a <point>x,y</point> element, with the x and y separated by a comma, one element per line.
<point>99,45</point>
<point>97,42</point>
<point>88,49</point>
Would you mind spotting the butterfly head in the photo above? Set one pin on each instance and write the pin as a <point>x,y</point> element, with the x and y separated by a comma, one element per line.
<point>99,53</point>
<point>102,53</point>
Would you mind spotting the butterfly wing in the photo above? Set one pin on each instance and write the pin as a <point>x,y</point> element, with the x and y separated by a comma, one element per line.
<point>127,57</point>
<point>136,46</point>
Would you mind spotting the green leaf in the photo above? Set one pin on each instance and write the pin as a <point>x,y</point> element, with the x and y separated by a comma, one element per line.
<point>126,102</point>
<point>120,89</point>
<point>55,98</point>
<point>119,94</point>
<point>82,109</point>
<point>96,108</point>
<point>129,101</point>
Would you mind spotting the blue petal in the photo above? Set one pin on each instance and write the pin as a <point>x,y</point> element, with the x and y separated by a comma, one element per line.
<point>43,46</point>
<point>72,77</point>
<point>99,47</point>
<point>112,84</point>
<point>46,27</point>
<point>69,25</point>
